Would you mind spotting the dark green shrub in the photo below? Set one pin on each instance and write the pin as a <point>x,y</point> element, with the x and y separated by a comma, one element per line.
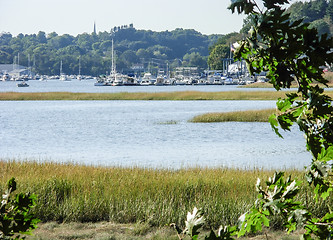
<point>15,215</point>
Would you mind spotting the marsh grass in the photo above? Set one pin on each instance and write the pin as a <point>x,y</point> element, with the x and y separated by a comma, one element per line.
<point>77,193</point>
<point>237,116</point>
<point>186,95</point>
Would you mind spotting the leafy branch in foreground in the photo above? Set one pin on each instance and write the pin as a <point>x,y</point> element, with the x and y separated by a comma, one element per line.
<point>15,215</point>
<point>290,51</point>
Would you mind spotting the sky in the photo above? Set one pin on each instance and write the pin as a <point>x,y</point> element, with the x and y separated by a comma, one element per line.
<point>78,16</point>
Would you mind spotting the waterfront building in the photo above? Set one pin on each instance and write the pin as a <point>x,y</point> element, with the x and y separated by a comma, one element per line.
<point>15,70</point>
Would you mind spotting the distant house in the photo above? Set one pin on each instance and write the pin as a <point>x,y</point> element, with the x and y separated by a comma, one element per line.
<point>138,66</point>
<point>187,71</point>
<point>14,70</point>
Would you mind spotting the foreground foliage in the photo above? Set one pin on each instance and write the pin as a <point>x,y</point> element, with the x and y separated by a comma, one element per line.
<point>16,216</point>
<point>288,51</point>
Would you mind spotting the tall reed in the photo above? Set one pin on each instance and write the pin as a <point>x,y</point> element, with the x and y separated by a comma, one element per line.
<point>70,192</point>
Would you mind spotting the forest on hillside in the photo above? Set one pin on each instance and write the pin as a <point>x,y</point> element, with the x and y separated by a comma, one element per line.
<point>133,49</point>
<point>138,50</point>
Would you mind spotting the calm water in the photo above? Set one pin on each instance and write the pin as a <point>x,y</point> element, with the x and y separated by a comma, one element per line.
<point>139,133</point>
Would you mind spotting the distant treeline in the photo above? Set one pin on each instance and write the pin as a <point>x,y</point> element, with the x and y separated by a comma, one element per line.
<point>138,50</point>
<point>318,13</point>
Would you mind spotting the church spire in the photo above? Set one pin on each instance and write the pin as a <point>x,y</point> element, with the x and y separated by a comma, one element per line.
<point>94,27</point>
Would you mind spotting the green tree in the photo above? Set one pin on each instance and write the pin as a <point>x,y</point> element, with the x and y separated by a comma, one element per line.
<point>105,45</point>
<point>52,35</point>
<point>61,41</point>
<point>129,57</point>
<point>329,10</point>
<point>41,37</point>
<point>318,9</point>
<point>321,25</point>
<point>215,57</point>
<point>143,53</point>
<point>194,59</point>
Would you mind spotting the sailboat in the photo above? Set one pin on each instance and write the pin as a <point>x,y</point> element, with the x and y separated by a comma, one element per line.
<point>79,77</point>
<point>116,78</point>
<point>63,77</point>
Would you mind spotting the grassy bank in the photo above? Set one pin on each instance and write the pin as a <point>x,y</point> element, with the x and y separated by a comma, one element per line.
<point>75,193</point>
<point>187,95</point>
<point>237,116</point>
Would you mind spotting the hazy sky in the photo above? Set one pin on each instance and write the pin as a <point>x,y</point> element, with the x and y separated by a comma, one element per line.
<point>78,16</point>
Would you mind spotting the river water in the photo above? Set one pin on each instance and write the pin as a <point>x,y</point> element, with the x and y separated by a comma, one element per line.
<point>148,134</point>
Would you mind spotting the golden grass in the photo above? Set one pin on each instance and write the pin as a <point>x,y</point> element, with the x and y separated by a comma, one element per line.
<point>187,95</point>
<point>237,116</point>
<point>69,192</point>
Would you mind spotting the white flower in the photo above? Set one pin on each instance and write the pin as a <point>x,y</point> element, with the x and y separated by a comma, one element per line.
<point>194,219</point>
<point>236,45</point>
<point>5,196</point>
<point>242,218</point>
<point>258,184</point>
<point>290,188</point>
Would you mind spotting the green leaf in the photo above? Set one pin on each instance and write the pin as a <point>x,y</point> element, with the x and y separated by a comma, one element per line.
<point>326,154</point>
<point>265,221</point>
<point>274,124</point>
<point>241,6</point>
<point>284,104</point>
<point>12,184</point>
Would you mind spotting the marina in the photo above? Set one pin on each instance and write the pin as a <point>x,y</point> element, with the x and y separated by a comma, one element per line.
<point>88,85</point>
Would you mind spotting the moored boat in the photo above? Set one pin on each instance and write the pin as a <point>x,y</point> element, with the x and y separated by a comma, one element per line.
<point>22,84</point>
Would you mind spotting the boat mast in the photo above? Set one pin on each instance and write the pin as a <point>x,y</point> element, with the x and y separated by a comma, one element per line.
<point>79,65</point>
<point>60,67</point>
<point>113,67</point>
